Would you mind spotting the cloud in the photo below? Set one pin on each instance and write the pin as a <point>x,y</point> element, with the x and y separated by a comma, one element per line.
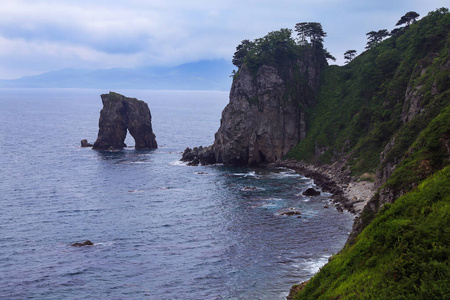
<point>43,35</point>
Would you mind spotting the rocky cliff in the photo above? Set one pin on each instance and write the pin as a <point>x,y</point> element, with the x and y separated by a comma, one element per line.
<point>119,115</point>
<point>261,123</point>
<point>265,117</point>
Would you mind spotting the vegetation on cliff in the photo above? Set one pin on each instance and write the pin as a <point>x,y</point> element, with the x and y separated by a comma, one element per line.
<point>281,50</point>
<point>360,105</point>
<point>388,112</point>
<point>402,254</point>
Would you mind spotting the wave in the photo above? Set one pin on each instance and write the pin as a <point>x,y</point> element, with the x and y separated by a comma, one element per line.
<point>313,266</point>
<point>179,163</point>
<point>248,174</point>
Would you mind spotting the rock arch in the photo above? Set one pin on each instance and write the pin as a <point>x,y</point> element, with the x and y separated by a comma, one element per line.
<point>119,114</point>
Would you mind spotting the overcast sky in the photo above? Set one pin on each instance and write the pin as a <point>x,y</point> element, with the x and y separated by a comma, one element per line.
<point>38,36</point>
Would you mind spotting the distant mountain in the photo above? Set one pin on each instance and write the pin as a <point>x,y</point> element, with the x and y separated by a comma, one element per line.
<point>202,75</point>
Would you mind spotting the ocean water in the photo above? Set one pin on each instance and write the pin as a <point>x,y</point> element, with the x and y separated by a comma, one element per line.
<point>161,229</point>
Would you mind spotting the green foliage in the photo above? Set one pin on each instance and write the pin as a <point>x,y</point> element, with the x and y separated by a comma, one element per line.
<point>375,37</point>
<point>402,254</point>
<point>360,105</point>
<point>349,55</point>
<point>279,48</point>
<point>311,30</point>
<point>275,47</point>
<point>241,52</point>
<point>430,152</point>
<point>408,18</point>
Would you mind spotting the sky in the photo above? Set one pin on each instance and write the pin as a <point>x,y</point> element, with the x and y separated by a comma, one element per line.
<point>38,36</point>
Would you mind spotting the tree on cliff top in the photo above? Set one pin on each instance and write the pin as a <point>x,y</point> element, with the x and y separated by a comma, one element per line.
<point>241,52</point>
<point>279,46</point>
<point>349,55</point>
<point>311,30</point>
<point>408,18</point>
<point>274,46</point>
<point>375,37</point>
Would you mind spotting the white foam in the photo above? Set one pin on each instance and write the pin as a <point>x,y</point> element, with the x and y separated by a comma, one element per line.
<point>267,205</point>
<point>249,174</point>
<point>179,163</point>
<point>251,189</point>
<point>313,266</point>
<point>104,244</point>
<point>285,174</point>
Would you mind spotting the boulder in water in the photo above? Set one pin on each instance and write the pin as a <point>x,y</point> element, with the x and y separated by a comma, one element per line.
<point>85,143</point>
<point>311,192</point>
<point>85,243</point>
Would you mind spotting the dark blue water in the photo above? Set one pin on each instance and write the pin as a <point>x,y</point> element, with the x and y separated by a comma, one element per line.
<point>162,230</point>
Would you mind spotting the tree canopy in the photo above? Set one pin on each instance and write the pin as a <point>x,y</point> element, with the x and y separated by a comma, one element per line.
<point>272,47</point>
<point>408,18</point>
<point>279,45</point>
<point>311,30</point>
<point>374,37</point>
<point>241,52</point>
<point>349,55</point>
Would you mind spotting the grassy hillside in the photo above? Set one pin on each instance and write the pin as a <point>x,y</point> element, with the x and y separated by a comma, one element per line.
<point>402,254</point>
<point>388,112</point>
<point>361,104</point>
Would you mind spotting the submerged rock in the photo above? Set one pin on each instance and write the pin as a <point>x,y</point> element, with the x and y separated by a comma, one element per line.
<point>85,243</point>
<point>291,212</point>
<point>120,114</point>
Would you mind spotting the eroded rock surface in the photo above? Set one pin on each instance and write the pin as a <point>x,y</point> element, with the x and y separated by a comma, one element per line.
<point>265,117</point>
<point>120,114</point>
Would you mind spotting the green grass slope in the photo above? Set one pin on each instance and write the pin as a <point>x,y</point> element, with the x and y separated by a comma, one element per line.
<point>402,254</point>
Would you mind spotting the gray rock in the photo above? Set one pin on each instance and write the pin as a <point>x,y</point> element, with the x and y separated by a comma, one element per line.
<point>120,114</point>
<point>310,192</point>
<point>85,143</point>
<point>265,117</point>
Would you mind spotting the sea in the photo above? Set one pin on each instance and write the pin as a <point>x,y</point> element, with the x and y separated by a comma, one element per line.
<point>161,229</point>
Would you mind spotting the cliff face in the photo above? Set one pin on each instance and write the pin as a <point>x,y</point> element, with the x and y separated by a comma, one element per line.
<point>119,114</point>
<point>265,117</point>
<point>259,124</point>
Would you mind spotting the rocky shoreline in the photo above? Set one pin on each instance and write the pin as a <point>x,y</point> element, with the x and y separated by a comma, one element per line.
<point>349,193</point>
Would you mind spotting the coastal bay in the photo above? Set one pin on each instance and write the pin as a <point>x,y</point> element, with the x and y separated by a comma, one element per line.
<point>159,228</point>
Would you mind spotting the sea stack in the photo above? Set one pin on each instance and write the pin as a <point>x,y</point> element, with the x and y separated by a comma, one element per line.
<point>119,114</point>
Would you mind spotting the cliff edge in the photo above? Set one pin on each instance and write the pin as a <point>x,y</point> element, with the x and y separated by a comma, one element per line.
<point>265,117</point>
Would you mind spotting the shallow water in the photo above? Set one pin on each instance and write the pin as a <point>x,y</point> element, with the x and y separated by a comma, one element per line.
<point>161,229</point>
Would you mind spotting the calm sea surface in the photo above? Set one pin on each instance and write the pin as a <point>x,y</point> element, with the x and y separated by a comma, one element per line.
<point>162,230</point>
